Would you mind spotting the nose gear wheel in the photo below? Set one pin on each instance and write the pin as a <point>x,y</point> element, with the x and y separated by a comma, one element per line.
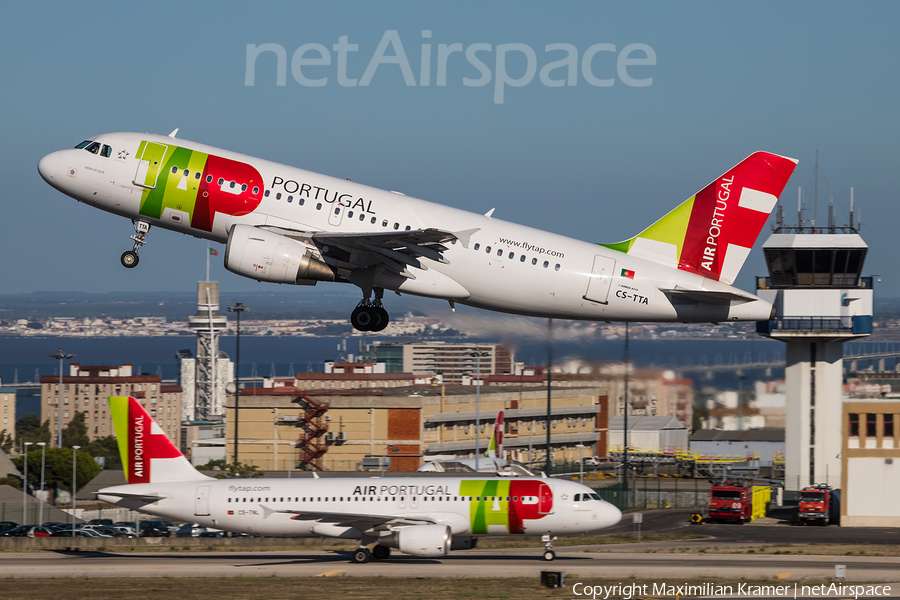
<point>130,258</point>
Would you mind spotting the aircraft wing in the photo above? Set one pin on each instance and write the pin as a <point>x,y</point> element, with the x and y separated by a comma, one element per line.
<point>145,497</point>
<point>360,521</point>
<point>394,250</point>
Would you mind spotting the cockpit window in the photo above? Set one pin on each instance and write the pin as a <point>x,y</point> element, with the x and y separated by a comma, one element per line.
<point>93,148</point>
<point>106,151</point>
<point>83,144</point>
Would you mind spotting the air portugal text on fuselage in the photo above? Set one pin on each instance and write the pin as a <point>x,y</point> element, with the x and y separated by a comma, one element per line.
<point>317,193</point>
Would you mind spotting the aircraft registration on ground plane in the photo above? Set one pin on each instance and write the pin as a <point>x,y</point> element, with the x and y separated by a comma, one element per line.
<point>282,224</point>
<point>425,516</point>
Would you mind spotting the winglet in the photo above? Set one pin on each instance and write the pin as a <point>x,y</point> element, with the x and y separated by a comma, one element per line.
<point>172,135</point>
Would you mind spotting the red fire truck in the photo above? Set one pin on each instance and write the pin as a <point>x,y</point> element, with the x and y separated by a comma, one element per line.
<point>738,502</point>
<point>820,504</point>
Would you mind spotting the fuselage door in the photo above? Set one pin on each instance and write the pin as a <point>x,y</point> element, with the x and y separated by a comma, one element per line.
<point>335,214</point>
<point>149,164</point>
<point>201,501</point>
<point>545,500</point>
<point>601,278</point>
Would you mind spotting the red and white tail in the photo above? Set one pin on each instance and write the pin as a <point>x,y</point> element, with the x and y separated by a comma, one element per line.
<point>495,447</point>
<point>711,233</point>
<point>148,455</point>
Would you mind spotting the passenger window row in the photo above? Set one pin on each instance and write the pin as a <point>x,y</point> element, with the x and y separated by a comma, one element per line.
<point>394,498</point>
<point>512,255</point>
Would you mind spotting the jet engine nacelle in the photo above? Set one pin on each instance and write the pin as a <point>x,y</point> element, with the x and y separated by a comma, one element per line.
<point>431,541</point>
<point>267,256</point>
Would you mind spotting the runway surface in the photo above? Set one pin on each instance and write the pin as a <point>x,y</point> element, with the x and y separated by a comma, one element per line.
<point>584,562</point>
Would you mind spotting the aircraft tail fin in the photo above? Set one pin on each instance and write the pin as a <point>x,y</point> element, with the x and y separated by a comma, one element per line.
<point>495,447</point>
<point>711,233</point>
<point>148,455</point>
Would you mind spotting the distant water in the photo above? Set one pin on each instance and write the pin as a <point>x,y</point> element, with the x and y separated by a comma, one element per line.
<point>157,354</point>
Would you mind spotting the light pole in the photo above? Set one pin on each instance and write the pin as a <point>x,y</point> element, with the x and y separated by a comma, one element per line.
<point>43,446</point>
<point>75,450</point>
<point>237,309</point>
<point>25,486</point>
<point>60,356</point>
<point>580,463</point>
<point>478,356</point>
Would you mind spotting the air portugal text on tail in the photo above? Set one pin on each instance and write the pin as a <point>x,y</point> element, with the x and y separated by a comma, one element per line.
<point>148,456</point>
<point>430,518</point>
<point>282,224</point>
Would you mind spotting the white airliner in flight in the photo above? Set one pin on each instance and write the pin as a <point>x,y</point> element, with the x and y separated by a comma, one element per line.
<point>285,225</point>
<point>422,516</point>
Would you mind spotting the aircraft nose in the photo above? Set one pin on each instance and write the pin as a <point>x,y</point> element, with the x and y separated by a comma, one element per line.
<point>613,515</point>
<point>48,165</point>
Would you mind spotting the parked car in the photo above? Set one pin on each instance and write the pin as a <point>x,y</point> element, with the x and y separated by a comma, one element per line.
<point>19,531</point>
<point>100,522</point>
<point>589,461</point>
<point>159,524</point>
<point>212,533</point>
<point>190,530</point>
<point>125,530</point>
<point>131,524</point>
<point>28,531</point>
<point>155,531</point>
<point>70,533</point>
<point>7,525</point>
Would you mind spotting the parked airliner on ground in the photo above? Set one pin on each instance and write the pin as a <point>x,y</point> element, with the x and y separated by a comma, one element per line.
<point>493,461</point>
<point>286,225</point>
<point>422,516</point>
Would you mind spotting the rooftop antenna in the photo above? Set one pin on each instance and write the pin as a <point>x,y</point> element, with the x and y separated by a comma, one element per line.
<point>816,190</point>
<point>851,208</point>
<point>799,207</point>
<point>831,213</point>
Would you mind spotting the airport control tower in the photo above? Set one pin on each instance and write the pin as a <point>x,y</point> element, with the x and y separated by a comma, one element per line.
<point>822,301</point>
<point>209,380</point>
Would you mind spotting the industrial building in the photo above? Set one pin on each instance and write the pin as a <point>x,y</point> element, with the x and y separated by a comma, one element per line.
<point>870,461</point>
<point>451,361</point>
<point>8,410</point>
<point>286,428</point>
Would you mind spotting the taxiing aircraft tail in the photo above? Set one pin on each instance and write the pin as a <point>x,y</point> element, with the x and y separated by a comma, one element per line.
<point>148,455</point>
<point>495,447</point>
<point>711,233</point>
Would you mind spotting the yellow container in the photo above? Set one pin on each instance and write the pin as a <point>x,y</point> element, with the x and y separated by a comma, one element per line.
<point>762,495</point>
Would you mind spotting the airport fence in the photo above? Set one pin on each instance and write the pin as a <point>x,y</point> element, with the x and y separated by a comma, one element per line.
<point>645,493</point>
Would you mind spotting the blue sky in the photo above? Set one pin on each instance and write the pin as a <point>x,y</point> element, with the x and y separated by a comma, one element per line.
<point>595,163</point>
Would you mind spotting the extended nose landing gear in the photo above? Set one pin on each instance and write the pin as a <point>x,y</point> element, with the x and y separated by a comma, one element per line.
<point>370,315</point>
<point>130,258</point>
<point>549,554</point>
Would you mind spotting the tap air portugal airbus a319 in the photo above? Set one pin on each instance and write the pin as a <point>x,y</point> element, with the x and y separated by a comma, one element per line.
<point>422,516</point>
<point>285,225</point>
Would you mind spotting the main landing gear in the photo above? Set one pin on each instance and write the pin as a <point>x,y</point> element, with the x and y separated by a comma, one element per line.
<point>370,315</point>
<point>130,258</point>
<point>549,554</point>
<point>364,555</point>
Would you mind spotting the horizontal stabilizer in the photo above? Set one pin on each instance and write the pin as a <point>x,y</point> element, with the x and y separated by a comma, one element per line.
<point>707,295</point>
